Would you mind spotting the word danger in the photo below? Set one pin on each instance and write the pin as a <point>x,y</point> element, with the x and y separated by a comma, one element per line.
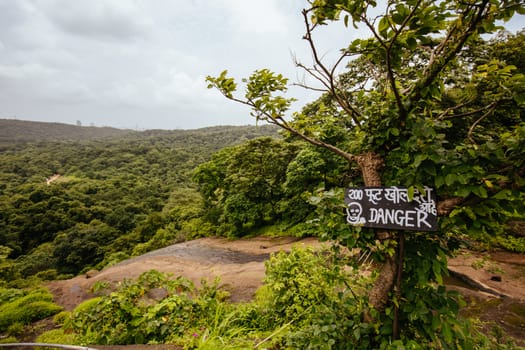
<point>391,208</point>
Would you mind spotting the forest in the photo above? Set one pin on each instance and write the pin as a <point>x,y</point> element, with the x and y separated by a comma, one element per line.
<point>427,100</point>
<point>133,190</point>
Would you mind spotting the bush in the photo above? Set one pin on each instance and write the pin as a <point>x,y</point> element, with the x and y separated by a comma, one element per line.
<point>62,317</point>
<point>47,275</point>
<point>7,340</point>
<point>315,297</point>
<point>58,336</point>
<point>514,244</point>
<point>34,306</point>
<point>9,294</point>
<point>297,280</point>
<point>15,329</point>
<point>133,315</point>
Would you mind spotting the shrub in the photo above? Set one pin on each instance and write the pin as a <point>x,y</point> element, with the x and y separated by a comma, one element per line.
<point>314,299</point>
<point>297,280</point>
<point>34,306</point>
<point>47,275</point>
<point>15,329</point>
<point>58,336</point>
<point>130,316</point>
<point>514,244</point>
<point>9,294</point>
<point>9,339</point>
<point>62,317</point>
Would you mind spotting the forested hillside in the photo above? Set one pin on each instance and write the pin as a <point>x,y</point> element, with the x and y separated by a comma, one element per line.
<point>12,130</point>
<point>68,205</point>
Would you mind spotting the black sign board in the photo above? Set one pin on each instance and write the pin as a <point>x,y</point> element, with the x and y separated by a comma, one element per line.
<point>390,208</point>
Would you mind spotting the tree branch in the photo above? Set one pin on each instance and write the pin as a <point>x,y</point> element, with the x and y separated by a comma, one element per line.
<point>280,122</point>
<point>390,75</point>
<point>491,107</point>
<point>473,15</point>
<point>327,75</point>
<point>443,115</point>
<point>444,207</point>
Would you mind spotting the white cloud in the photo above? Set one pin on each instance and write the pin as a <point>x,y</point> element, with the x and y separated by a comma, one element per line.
<point>257,17</point>
<point>143,63</point>
<point>97,19</point>
<point>120,60</point>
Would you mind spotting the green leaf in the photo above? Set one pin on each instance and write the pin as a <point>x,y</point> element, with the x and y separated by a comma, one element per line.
<point>394,131</point>
<point>480,192</point>
<point>463,191</point>
<point>470,213</point>
<point>410,193</point>
<point>383,26</point>
<point>439,181</point>
<point>429,168</point>
<point>450,179</point>
<point>411,42</point>
<point>503,194</point>
<point>418,159</point>
<point>436,268</point>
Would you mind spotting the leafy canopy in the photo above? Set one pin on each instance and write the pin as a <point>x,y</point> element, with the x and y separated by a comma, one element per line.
<point>423,100</point>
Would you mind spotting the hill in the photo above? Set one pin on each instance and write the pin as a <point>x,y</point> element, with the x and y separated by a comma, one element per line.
<point>12,130</point>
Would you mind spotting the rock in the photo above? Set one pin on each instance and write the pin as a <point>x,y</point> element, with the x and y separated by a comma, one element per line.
<point>496,278</point>
<point>91,273</point>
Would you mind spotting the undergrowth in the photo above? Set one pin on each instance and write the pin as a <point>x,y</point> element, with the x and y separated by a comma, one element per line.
<point>310,300</point>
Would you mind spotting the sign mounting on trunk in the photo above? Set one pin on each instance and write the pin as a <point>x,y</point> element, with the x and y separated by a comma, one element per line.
<point>391,208</point>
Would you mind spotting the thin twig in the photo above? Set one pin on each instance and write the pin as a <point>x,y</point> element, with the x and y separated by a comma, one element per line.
<point>471,129</point>
<point>443,115</point>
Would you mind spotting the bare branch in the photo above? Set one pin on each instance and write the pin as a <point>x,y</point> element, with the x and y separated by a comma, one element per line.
<point>454,42</point>
<point>391,77</point>
<point>308,87</point>
<point>282,123</point>
<point>444,116</point>
<point>444,207</point>
<point>491,107</point>
<point>314,73</point>
<point>327,76</point>
<point>465,114</point>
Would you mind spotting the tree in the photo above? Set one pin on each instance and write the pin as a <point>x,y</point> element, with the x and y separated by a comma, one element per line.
<point>83,245</point>
<point>413,107</point>
<point>242,186</point>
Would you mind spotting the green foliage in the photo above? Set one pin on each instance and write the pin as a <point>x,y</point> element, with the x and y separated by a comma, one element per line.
<point>297,280</point>
<point>82,245</point>
<point>58,336</point>
<point>7,266</point>
<point>120,189</point>
<point>61,318</point>
<point>312,299</point>
<point>15,329</point>
<point>133,315</point>
<point>514,244</point>
<point>242,186</point>
<point>23,309</point>
<point>8,339</point>
<point>9,294</point>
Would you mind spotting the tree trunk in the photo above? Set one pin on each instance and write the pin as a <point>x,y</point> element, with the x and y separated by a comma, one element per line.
<point>370,165</point>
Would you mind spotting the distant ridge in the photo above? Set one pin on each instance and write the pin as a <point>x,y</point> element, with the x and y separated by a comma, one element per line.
<point>13,130</point>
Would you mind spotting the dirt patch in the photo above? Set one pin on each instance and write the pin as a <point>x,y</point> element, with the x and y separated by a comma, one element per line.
<point>500,273</point>
<point>493,284</point>
<point>239,264</point>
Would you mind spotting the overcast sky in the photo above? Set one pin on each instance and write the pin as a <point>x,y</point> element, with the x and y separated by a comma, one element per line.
<point>141,64</point>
